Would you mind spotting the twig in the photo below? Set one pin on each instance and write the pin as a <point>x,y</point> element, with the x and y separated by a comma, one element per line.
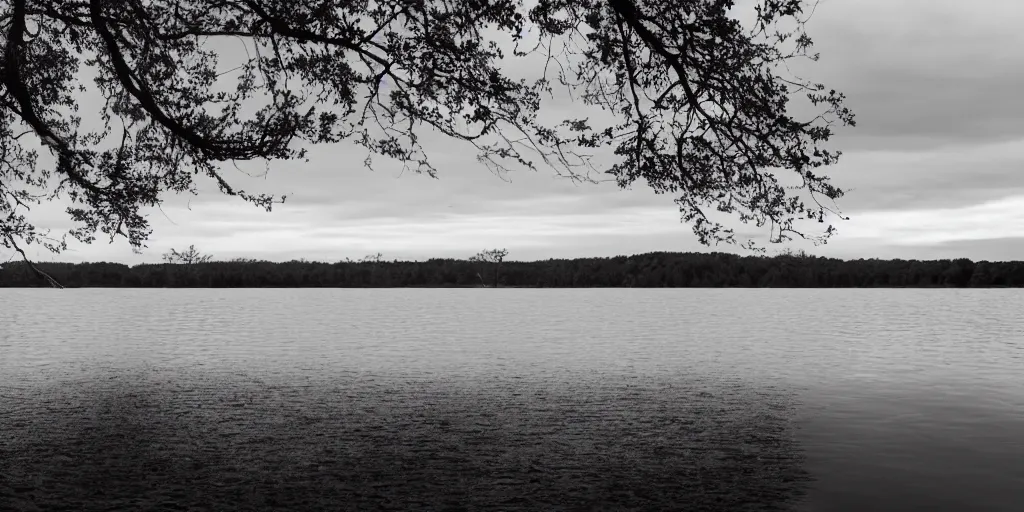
<point>53,282</point>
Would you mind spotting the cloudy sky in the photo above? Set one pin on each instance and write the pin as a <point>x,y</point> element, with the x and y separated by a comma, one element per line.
<point>934,167</point>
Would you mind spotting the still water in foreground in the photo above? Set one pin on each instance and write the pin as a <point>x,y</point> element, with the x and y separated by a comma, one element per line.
<point>475,399</point>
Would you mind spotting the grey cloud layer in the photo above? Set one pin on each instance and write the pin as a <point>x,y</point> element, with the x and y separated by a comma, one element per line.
<point>923,74</point>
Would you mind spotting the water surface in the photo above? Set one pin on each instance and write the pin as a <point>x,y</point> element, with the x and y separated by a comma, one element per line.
<point>698,399</point>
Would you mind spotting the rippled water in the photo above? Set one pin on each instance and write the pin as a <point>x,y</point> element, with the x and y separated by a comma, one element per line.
<point>575,399</point>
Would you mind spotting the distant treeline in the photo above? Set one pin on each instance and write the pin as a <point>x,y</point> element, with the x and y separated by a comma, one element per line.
<point>659,269</point>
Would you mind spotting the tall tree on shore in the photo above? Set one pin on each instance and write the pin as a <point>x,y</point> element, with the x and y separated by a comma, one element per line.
<point>182,264</point>
<point>492,258</point>
<point>699,101</point>
<point>190,256</point>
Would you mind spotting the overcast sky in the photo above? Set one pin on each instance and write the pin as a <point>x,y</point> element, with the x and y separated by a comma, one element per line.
<point>934,165</point>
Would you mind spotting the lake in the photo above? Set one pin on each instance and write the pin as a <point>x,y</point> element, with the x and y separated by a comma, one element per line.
<point>512,399</point>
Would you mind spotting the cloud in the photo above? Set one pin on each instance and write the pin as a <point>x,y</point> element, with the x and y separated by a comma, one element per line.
<point>548,229</point>
<point>922,74</point>
<point>1001,218</point>
<point>942,177</point>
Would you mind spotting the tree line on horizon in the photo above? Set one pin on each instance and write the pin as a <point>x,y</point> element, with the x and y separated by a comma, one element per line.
<point>650,270</point>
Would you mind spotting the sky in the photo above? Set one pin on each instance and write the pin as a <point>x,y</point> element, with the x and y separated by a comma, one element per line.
<point>933,169</point>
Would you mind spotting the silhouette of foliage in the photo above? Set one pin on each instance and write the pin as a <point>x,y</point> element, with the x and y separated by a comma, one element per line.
<point>658,269</point>
<point>189,256</point>
<point>493,258</point>
<point>700,102</point>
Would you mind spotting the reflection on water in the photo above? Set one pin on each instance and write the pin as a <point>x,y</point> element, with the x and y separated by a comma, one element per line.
<point>723,399</point>
<point>397,444</point>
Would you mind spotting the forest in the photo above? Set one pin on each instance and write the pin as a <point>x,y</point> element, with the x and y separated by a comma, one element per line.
<point>657,269</point>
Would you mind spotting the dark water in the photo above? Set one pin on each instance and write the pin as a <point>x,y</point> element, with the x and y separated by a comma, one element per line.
<point>479,399</point>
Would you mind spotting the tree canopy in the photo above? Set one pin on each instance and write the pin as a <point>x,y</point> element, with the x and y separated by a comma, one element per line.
<point>640,270</point>
<point>492,257</point>
<point>190,256</point>
<point>699,100</point>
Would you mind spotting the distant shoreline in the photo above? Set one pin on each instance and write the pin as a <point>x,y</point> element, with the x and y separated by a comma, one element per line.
<point>439,287</point>
<point>651,270</point>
